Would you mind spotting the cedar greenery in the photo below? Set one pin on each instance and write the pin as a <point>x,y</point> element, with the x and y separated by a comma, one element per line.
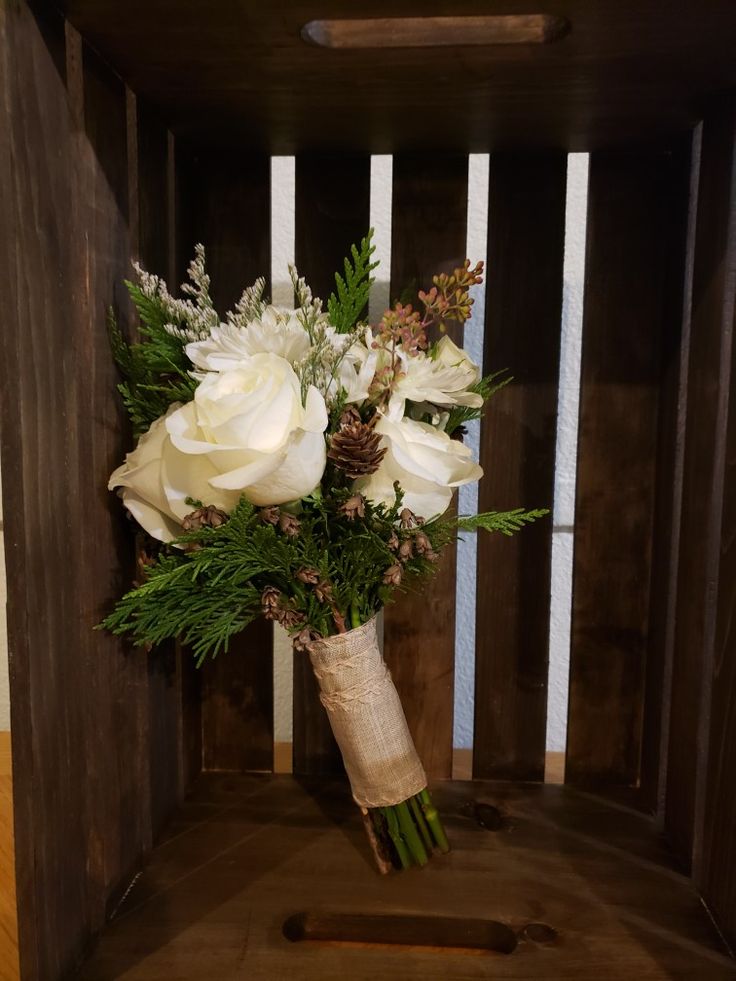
<point>345,308</point>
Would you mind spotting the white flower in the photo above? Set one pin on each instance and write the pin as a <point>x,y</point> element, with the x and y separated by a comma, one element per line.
<point>424,460</point>
<point>442,380</point>
<point>249,426</point>
<point>228,346</point>
<point>357,367</point>
<point>156,480</point>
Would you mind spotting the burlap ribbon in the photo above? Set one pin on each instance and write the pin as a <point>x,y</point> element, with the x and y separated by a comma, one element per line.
<point>367,718</point>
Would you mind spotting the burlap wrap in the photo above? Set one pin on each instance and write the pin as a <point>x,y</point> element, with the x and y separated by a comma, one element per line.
<point>367,718</point>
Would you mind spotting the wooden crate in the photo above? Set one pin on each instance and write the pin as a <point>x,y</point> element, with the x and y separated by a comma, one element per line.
<point>140,129</point>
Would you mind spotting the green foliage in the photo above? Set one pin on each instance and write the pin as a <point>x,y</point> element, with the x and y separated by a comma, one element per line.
<point>156,370</point>
<point>507,522</point>
<point>346,307</point>
<point>486,387</point>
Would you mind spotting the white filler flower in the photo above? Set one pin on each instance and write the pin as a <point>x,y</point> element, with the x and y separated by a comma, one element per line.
<point>277,331</point>
<point>442,380</point>
<point>425,461</point>
<point>247,430</point>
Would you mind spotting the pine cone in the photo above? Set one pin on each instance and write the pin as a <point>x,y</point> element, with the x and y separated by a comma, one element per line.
<point>356,447</point>
<point>207,517</point>
<point>271,603</point>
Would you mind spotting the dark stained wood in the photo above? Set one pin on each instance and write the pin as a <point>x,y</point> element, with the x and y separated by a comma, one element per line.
<point>523,314</point>
<point>586,888</point>
<point>332,212</point>
<point>224,203</point>
<point>699,803</point>
<point>625,71</point>
<point>80,698</point>
<point>635,205</point>
<point>429,209</point>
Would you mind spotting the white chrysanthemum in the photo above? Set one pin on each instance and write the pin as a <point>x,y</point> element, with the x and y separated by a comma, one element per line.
<point>440,380</point>
<point>277,331</point>
<point>357,367</point>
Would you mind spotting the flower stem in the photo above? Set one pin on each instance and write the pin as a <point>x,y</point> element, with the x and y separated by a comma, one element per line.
<point>417,813</point>
<point>392,823</point>
<point>354,617</point>
<point>433,820</point>
<point>410,834</point>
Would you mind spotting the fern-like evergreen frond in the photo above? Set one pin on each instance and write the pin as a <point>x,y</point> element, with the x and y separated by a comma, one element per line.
<point>507,522</point>
<point>346,306</point>
<point>486,387</point>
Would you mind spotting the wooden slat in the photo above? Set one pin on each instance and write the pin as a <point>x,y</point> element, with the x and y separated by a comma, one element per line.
<point>635,205</point>
<point>699,803</point>
<point>523,314</point>
<point>223,201</point>
<point>332,213</point>
<point>428,236</point>
<point>716,859</point>
<point>594,878</point>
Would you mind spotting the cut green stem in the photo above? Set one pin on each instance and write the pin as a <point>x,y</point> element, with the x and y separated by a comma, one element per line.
<point>354,617</point>
<point>392,822</point>
<point>418,815</point>
<point>432,818</point>
<point>410,834</point>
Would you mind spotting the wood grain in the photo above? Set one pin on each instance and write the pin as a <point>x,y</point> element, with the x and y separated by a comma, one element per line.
<point>518,434</point>
<point>246,854</point>
<point>9,964</point>
<point>332,213</point>
<point>627,71</point>
<point>635,201</point>
<point>428,235</point>
<point>223,201</point>
<point>703,497</point>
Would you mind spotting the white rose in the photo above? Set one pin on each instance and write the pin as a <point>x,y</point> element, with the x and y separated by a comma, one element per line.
<point>426,463</point>
<point>156,480</point>
<point>249,425</point>
<point>277,332</point>
<point>442,380</point>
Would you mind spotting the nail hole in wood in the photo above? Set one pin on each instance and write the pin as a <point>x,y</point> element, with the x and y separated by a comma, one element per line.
<point>399,929</point>
<point>539,933</point>
<point>431,32</point>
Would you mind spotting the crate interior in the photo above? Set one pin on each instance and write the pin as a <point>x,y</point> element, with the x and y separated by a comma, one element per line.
<point>145,811</point>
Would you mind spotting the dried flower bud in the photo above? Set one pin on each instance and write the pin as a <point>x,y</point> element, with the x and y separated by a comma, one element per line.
<point>354,507</point>
<point>269,516</point>
<point>308,575</point>
<point>271,603</point>
<point>392,575</point>
<point>431,556</point>
<point>406,550</point>
<point>206,517</point>
<point>407,518</point>
<point>291,619</point>
<point>393,542</point>
<point>289,524</point>
<point>350,416</point>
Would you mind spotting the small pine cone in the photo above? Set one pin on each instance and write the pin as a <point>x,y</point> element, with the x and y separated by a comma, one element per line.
<point>304,638</point>
<point>323,591</point>
<point>392,575</point>
<point>308,575</point>
<point>356,448</point>
<point>406,550</point>
<point>207,517</point>
<point>350,416</point>
<point>422,544</point>
<point>269,516</point>
<point>291,619</point>
<point>407,519</point>
<point>393,542</point>
<point>431,556</point>
<point>271,603</point>
<point>354,507</point>
<point>289,524</point>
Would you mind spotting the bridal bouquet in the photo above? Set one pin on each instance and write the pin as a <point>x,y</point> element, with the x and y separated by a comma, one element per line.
<point>298,464</point>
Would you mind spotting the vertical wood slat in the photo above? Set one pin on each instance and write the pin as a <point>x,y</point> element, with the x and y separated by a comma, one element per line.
<point>223,201</point>
<point>80,698</point>
<point>715,860</point>
<point>523,318</point>
<point>699,790</point>
<point>429,215</point>
<point>636,202</point>
<point>332,213</point>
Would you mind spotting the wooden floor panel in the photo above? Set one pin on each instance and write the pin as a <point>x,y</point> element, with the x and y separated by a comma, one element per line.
<point>245,853</point>
<point>8,920</point>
